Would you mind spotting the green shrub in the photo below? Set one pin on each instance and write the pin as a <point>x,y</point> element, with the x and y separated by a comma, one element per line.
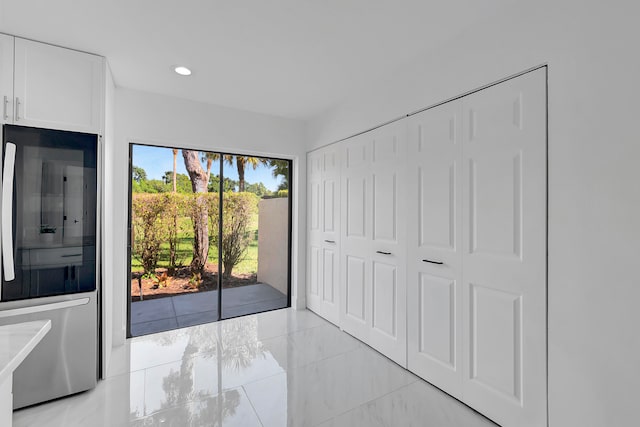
<point>148,231</point>
<point>156,220</point>
<point>238,209</point>
<point>174,209</point>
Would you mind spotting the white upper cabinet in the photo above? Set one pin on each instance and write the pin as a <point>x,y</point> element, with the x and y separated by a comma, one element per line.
<point>57,88</point>
<point>6,78</point>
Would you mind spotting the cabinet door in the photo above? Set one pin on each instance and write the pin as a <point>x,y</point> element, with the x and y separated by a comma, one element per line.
<point>6,79</point>
<point>504,251</point>
<point>434,264</point>
<point>57,88</point>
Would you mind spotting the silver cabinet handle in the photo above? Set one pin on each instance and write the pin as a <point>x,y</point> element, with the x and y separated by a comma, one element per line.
<point>433,262</point>
<point>330,241</point>
<point>17,115</point>
<point>7,211</point>
<point>383,253</point>
<point>5,116</point>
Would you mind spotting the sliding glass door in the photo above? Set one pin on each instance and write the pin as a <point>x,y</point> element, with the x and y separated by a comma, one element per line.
<point>201,222</point>
<point>255,236</point>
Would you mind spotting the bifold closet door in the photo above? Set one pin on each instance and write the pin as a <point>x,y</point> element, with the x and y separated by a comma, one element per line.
<point>373,250</point>
<point>434,263</point>
<point>504,251</point>
<point>324,233</point>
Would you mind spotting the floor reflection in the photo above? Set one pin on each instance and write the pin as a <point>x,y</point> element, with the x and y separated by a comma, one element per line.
<point>197,387</point>
<point>282,368</point>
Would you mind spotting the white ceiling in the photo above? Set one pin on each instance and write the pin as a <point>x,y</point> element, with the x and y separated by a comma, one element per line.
<point>290,58</point>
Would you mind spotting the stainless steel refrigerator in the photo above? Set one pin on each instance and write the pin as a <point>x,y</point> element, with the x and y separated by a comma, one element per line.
<point>49,227</point>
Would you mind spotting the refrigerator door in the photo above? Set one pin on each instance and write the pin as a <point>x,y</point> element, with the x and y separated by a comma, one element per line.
<point>49,206</point>
<point>65,360</point>
<point>49,239</point>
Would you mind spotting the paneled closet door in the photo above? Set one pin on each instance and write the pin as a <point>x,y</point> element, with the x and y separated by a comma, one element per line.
<point>434,262</point>
<point>330,228</point>
<point>355,249</point>
<point>388,242</point>
<point>314,218</point>
<point>504,251</point>
<point>324,233</point>
<point>373,251</point>
<point>324,225</point>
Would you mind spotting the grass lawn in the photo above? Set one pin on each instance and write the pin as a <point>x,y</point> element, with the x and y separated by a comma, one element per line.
<point>185,250</point>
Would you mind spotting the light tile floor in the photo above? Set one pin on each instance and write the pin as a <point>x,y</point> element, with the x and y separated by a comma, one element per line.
<point>163,314</point>
<point>279,368</point>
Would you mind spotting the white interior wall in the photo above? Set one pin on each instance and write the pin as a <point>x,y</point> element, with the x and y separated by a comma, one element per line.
<point>591,48</point>
<point>108,142</point>
<point>143,117</point>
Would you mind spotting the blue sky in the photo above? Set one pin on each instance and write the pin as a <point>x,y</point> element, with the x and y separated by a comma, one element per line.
<point>157,160</point>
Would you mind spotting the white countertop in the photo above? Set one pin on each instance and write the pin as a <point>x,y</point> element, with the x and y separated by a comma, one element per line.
<point>17,341</point>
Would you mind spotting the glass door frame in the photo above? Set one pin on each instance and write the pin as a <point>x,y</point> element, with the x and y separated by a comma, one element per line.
<point>220,283</point>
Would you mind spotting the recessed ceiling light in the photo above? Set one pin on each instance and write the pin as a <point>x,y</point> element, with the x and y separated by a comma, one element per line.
<point>183,71</point>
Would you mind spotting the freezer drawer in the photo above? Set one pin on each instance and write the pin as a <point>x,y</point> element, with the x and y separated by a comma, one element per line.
<point>65,361</point>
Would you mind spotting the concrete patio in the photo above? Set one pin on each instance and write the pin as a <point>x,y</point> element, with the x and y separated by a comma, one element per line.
<point>163,314</point>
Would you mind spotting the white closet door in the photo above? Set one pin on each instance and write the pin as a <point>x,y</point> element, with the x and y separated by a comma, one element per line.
<point>373,251</point>
<point>314,218</point>
<point>324,233</point>
<point>504,251</point>
<point>330,234</point>
<point>355,249</point>
<point>388,242</point>
<point>435,246</point>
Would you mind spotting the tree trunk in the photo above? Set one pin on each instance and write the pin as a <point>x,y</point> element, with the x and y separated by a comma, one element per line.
<point>240,162</point>
<point>200,224</point>
<point>175,175</point>
<point>172,242</point>
<point>228,269</point>
<point>209,163</point>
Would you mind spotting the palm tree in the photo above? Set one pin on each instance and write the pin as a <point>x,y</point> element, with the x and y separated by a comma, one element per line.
<point>241,162</point>
<point>175,155</point>
<point>173,240</point>
<point>280,168</point>
<point>199,181</point>
<point>211,157</point>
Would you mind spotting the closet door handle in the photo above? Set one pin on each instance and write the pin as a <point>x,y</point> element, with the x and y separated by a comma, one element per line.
<point>330,241</point>
<point>383,253</point>
<point>17,115</point>
<point>5,116</point>
<point>433,262</point>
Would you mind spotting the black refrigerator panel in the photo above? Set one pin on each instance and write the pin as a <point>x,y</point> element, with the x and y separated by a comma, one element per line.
<point>52,220</point>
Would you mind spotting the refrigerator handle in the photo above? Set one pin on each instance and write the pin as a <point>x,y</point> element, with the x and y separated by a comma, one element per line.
<point>7,211</point>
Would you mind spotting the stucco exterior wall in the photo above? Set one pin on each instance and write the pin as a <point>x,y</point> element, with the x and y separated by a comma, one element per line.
<point>273,242</point>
